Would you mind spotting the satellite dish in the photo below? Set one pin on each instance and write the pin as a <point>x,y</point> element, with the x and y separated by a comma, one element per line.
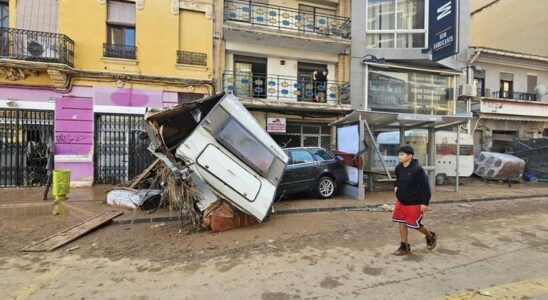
<point>540,91</point>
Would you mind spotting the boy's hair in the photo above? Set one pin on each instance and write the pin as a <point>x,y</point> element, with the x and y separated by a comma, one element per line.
<point>407,150</point>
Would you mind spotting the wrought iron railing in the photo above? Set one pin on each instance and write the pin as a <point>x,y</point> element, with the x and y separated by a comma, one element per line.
<point>483,92</point>
<point>515,95</point>
<point>119,51</point>
<point>191,58</point>
<point>39,46</point>
<point>285,18</point>
<point>280,87</point>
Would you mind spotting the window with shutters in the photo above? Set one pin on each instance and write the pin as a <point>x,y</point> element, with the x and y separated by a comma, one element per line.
<point>120,30</point>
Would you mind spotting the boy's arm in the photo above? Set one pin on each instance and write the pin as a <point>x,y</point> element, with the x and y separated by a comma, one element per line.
<point>424,187</point>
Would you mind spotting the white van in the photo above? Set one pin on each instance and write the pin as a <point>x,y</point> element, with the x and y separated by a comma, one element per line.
<point>225,147</point>
<point>446,150</point>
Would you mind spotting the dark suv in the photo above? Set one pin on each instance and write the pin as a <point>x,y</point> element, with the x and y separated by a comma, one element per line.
<point>312,170</point>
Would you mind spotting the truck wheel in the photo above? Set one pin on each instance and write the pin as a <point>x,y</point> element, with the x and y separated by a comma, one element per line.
<point>326,187</point>
<point>441,179</point>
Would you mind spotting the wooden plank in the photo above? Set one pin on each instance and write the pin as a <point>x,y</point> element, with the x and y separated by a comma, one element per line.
<point>143,174</point>
<point>70,234</point>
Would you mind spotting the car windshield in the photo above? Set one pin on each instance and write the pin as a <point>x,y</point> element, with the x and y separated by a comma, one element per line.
<point>301,157</point>
<point>321,155</point>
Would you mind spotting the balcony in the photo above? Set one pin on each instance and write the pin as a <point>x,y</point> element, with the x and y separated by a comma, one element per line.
<point>192,58</point>
<point>483,92</point>
<point>278,25</point>
<point>119,51</point>
<point>29,45</point>
<point>515,96</point>
<point>285,88</point>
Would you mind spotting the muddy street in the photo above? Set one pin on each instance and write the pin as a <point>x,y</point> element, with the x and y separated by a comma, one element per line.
<point>497,248</point>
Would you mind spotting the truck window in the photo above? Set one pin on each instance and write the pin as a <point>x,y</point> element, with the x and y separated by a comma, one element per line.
<point>240,141</point>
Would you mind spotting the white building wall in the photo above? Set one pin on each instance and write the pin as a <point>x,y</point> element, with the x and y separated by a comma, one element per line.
<point>492,76</point>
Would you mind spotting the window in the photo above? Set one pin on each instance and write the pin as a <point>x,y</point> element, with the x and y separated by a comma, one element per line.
<point>396,24</point>
<point>120,30</point>
<point>4,14</point>
<point>451,149</point>
<point>531,83</point>
<point>301,157</point>
<point>321,155</point>
<point>304,135</point>
<point>184,98</point>
<point>245,146</point>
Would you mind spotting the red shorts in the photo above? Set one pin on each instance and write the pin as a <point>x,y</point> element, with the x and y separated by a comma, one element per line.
<point>411,215</point>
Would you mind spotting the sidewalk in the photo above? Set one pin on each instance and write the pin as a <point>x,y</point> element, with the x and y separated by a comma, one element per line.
<point>90,201</point>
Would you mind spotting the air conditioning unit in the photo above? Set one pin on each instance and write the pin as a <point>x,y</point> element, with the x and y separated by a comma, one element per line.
<point>467,90</point>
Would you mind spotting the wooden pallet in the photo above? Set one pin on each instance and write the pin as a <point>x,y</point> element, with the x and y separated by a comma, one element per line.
<point>70,234</point>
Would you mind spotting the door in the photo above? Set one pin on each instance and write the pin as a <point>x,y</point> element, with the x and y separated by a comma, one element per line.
<point>120,154</point>
<point>250,76</point>
<point>300,172</point>
<point>310,89</point>
<point>531,84</point>
<point>26,140</point>
<point>4,24</point>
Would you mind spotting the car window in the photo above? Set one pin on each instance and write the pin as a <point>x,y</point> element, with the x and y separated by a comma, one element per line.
<point>321,155</point>
<point>301,157</point>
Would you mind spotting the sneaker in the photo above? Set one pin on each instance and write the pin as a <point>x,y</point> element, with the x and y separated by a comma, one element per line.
<point>404,249</point>
<point>432,241</point>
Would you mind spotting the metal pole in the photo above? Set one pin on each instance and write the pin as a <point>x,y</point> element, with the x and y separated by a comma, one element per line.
<point>432,156</point>
<point>402,136</point>
<point>457,161</point>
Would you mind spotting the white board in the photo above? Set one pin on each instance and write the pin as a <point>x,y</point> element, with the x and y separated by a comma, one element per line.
<point>348,139</point>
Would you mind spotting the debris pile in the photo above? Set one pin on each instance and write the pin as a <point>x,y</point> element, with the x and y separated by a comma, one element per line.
<point>491,165</point>
<point>216,164</point>
<point>534,152</point>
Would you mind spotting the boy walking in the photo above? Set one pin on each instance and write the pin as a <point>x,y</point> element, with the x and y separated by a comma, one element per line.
<point>413,194</point>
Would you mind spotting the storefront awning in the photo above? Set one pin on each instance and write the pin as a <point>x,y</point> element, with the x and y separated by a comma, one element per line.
<point>408,121</point>
<point>516,118</point>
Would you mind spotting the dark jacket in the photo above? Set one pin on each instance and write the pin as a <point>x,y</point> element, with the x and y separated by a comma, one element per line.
<point>412,184</point>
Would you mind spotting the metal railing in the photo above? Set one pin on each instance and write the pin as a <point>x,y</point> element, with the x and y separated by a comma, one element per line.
<point>39,46</point>
<point>280,87</point>
<point>515,95</point>
<point>483,92</point>
<point>191,58</point>
<point>119,51</point>
<point>285,18</point>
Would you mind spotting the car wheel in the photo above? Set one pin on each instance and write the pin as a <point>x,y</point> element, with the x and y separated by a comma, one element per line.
<point>326,187</point>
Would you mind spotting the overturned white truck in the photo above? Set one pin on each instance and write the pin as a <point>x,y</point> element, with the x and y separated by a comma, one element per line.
<point>227,153</point>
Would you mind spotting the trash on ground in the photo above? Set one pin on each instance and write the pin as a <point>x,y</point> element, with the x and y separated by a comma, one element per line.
<point>144,199</point>
<point>216,164</point>
<point>72,248</point>
<point>388,207</point>
<point>485,293</point>
<point>158,225</point>
<point>272,246</point>
<point>221,216</point>
<point>465,205</point>
<point>491,165</point>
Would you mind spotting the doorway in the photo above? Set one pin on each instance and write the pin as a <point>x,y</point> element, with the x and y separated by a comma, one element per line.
<point>250,74</point>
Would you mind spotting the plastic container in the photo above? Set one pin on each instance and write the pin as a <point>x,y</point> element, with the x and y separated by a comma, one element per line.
<point>61,184</point>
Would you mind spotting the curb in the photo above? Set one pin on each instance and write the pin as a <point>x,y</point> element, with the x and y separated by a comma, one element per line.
<point>369,207</point>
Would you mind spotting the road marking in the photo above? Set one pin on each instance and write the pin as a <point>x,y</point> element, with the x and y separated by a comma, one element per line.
<point>515,290</point>
<point>37,283</point>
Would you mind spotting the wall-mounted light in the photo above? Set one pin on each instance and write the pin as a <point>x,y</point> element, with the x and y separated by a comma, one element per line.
<point>282,62</point>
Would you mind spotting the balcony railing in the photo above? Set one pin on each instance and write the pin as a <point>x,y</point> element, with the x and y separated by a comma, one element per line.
<point>483,92</point>
<point>119,51</point>
<point>191,58</point>
<point>280,87</point>
<point>285,18</point>
<point>38,46</point>
<point>515,95</point>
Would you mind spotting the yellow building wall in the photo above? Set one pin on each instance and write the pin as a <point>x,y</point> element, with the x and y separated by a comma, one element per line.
<point>157,39</point>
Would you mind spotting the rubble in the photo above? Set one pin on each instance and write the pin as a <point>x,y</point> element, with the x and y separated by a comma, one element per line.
<point>534,152</point>
<point>491,165</point>
<point>215,163</point>
<point>144,199</point>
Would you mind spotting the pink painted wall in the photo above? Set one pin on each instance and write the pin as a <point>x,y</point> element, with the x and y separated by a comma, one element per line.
<point>79,171</point>
<point>73,126</point>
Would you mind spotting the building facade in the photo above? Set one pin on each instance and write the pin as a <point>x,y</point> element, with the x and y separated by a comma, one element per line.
<point>76,77</point>
<point>288,62</point>
<point>510,58</point>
